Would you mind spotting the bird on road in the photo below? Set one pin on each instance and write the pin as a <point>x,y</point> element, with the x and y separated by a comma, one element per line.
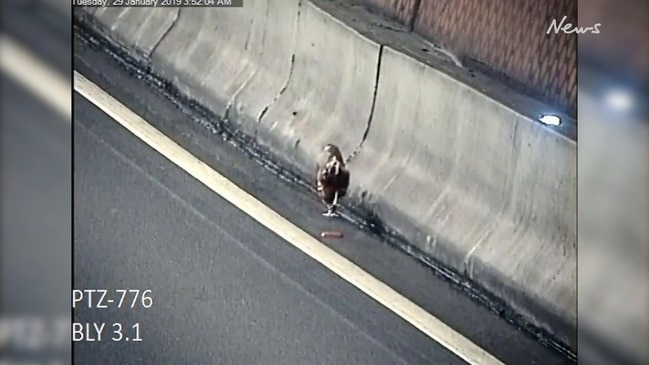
<point>332,179</point>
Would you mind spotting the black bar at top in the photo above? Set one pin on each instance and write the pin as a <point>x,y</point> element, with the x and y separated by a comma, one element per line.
<point>159,3</point>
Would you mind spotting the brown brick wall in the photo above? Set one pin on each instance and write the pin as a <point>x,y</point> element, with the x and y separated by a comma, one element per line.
<point>508,37</point>
<point>402,10</point>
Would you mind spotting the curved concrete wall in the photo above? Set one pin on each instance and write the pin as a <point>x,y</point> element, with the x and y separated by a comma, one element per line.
<point>329,94</point>
<point>476,186</point>
<point>467,180</point>
<point>138,29</point>
<point>262,76</point>
<point>233,61</point>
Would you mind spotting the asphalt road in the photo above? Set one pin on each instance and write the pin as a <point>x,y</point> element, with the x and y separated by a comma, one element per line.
<point>227,290</point>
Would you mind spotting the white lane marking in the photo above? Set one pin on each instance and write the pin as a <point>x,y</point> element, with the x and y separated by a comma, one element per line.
<point>24,67</point>
<point>388,297</point>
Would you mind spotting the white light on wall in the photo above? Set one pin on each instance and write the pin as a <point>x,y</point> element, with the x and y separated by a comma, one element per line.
<point>550,120</point>
<point>619,100</point>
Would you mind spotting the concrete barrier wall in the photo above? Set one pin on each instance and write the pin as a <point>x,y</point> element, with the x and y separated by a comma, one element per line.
<point>138,29</point>
<point>470,182</point>
<point>474,185</point>
<point>261,76</point>
<point>234,61</point>
<point>328,97</point>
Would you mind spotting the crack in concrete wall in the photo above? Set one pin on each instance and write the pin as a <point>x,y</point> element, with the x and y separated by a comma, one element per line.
<point>226,114</point>
<point>166,32</point>
<point>372,107</point>
<point>290,73</point>
<point>252,24</point>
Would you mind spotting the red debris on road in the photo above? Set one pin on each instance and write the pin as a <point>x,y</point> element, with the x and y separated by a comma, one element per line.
<point>327,234</point>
